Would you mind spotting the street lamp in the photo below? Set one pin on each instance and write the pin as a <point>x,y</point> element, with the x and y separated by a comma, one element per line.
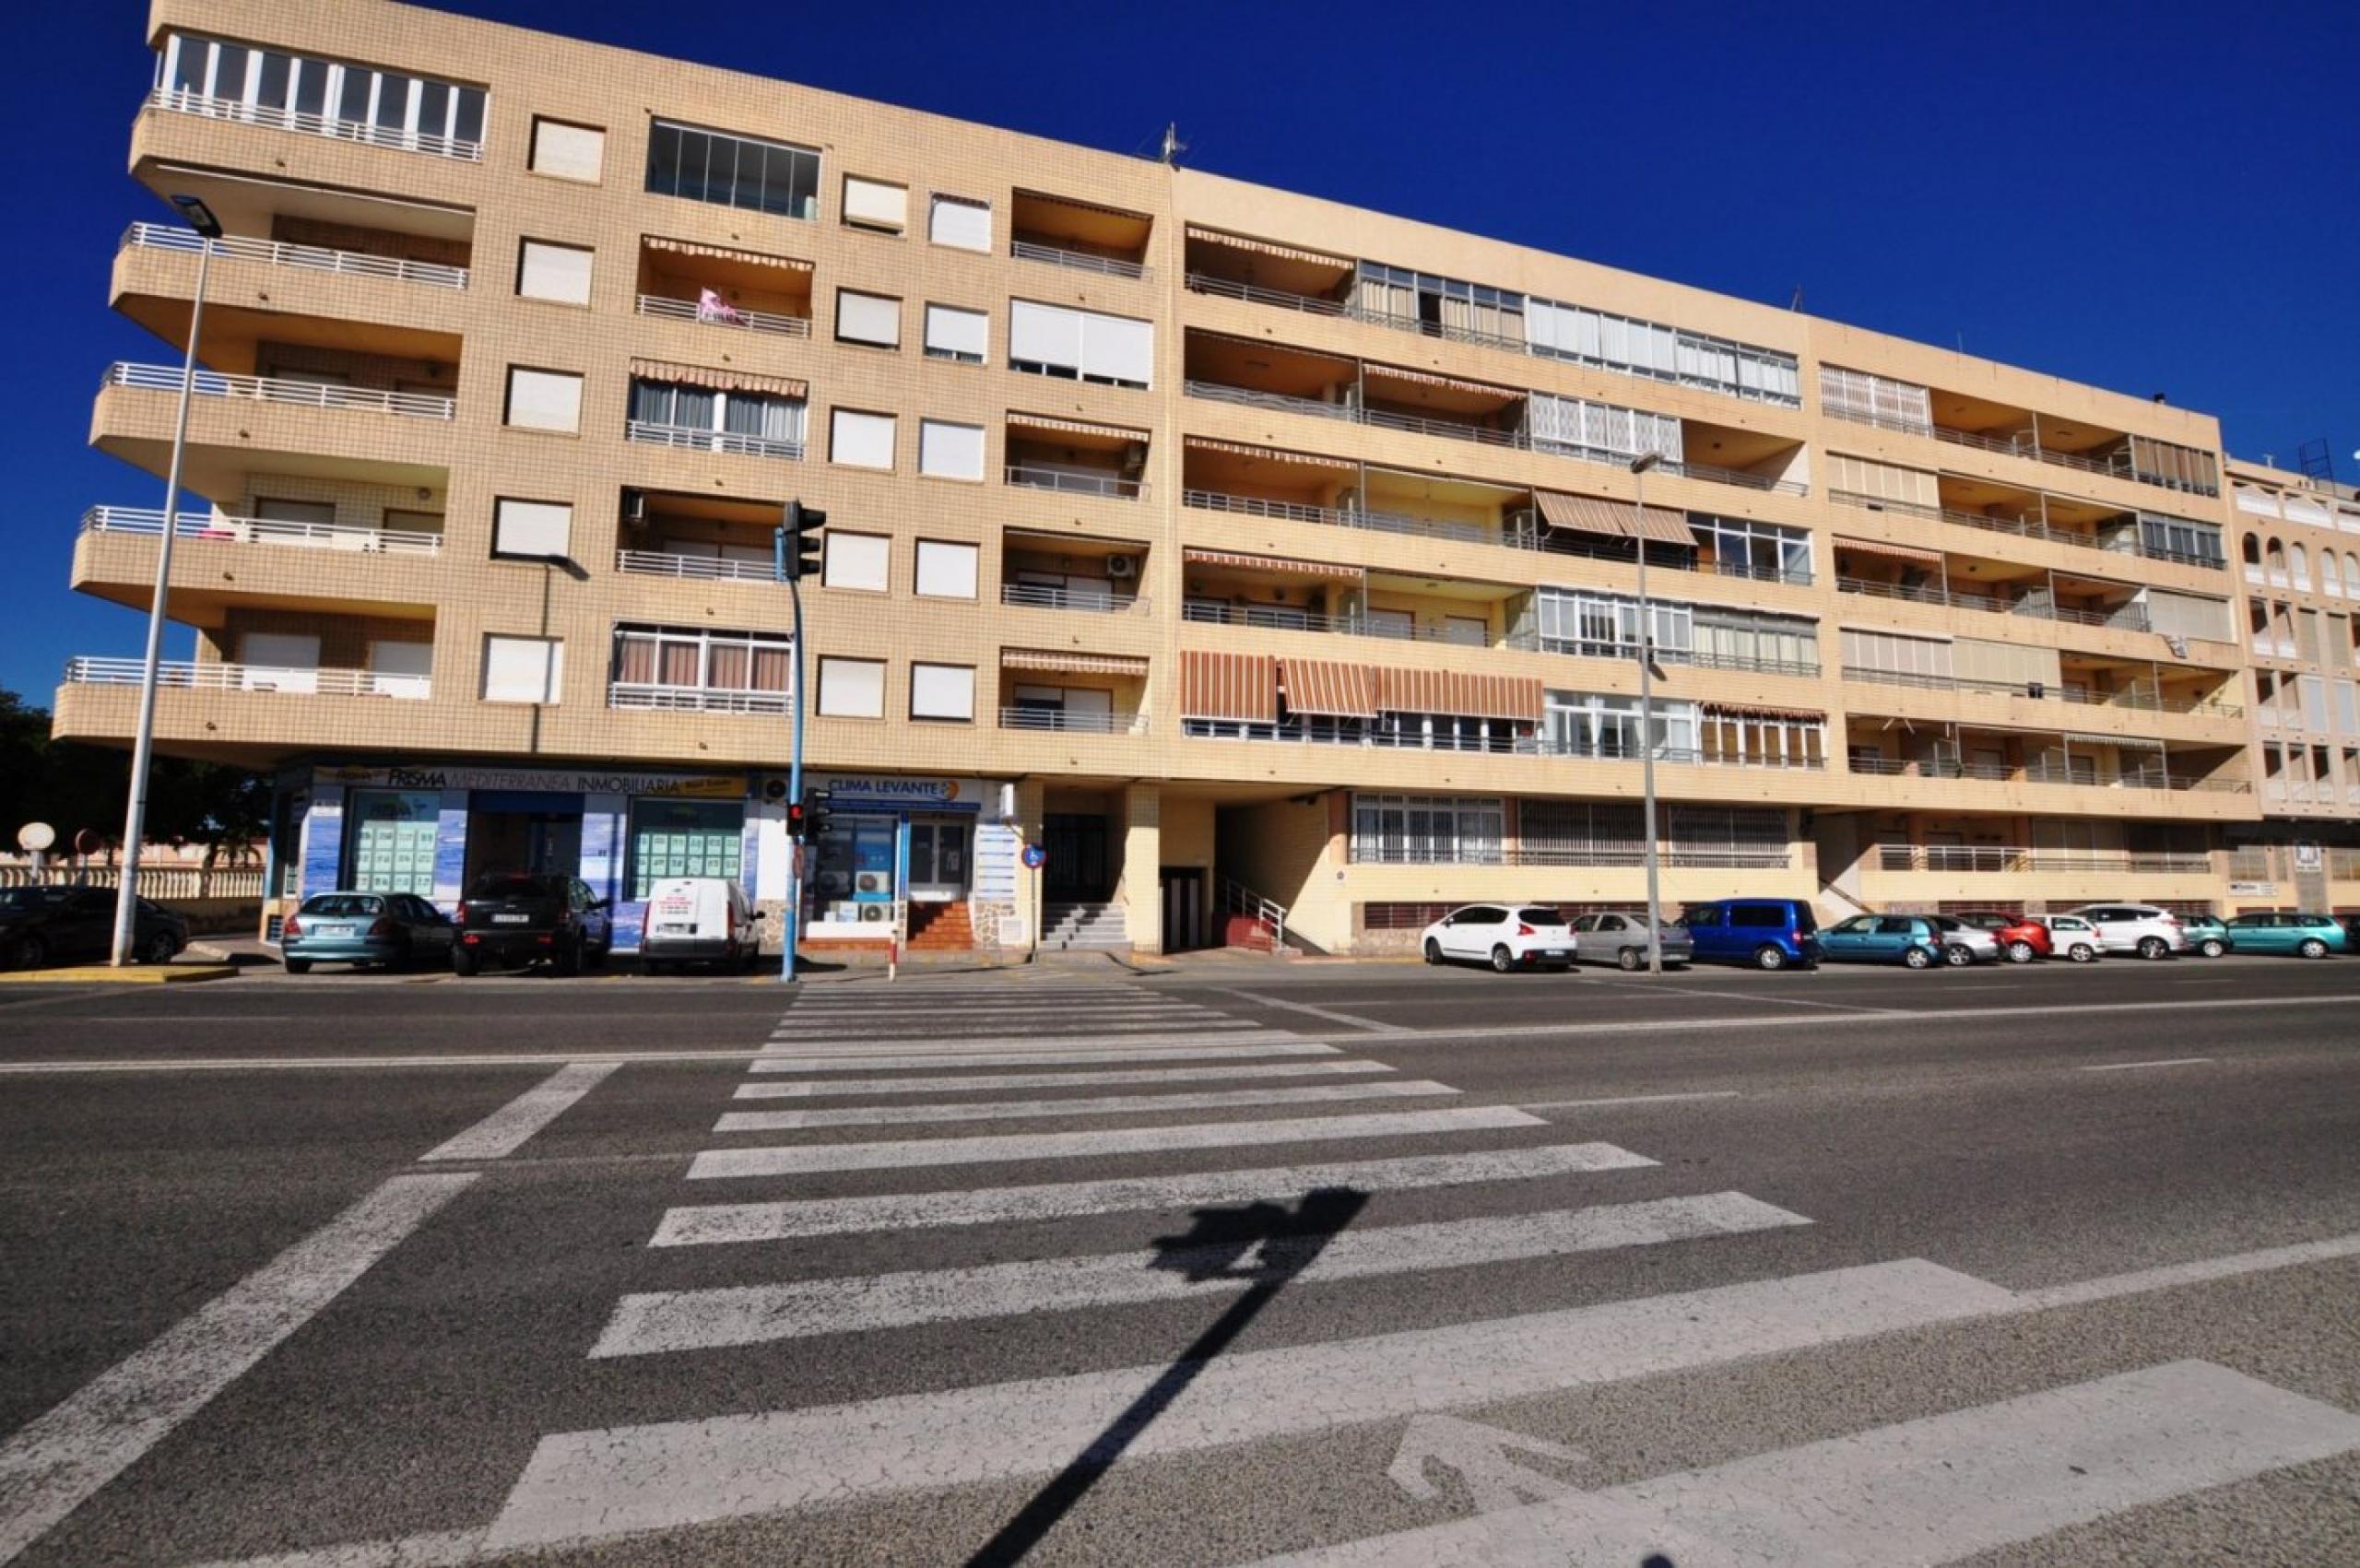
<point>135,820</point>
<point>1639,466</point>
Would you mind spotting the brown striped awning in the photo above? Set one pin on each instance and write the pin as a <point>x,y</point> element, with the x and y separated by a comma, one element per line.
<point>1243,687</point>
<point>1881,546</point>
<point>1111,433</point>
<point>1195,557</point>
<point>1329,687</point>
<point>723,252</point>
<point>717,379</point>
<point>1614,519</point>
<point>1754,710</point>
<point>1051,661</point>
<point>1264,247</point>
<point>1428,378</point>
<point>1446,691</point>
<point>1272,455</point>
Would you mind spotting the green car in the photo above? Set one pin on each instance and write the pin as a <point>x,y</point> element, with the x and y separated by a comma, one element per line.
<point>2206,935</point>
<point>2305,936</point>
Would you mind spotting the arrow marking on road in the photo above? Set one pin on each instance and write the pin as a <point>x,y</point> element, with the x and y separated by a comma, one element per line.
<point>1481,1457</point>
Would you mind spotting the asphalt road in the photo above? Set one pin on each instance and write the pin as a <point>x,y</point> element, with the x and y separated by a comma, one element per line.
<point>2048,1266</point>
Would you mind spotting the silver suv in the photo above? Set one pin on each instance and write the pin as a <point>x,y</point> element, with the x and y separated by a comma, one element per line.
<point>2141,928</point>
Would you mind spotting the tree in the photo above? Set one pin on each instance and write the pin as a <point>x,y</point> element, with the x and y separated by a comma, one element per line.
<point>72,786</point>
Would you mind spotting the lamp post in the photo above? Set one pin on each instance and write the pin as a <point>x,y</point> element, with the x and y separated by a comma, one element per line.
<point>1639,466</point>
<point>135,818</point>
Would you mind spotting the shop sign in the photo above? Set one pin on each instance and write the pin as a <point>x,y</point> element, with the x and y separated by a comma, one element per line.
<point>856,790</point>
<point>2253,890</point>
<point>573,780</point>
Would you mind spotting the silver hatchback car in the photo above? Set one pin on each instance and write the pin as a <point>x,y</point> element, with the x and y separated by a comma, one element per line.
<point>1621,936</point>
<point>1964,944</point>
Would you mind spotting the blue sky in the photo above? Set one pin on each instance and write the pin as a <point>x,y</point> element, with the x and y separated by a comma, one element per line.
<point>2152,197</point>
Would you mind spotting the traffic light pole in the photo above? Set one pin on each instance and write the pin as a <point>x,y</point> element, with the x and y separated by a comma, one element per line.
<point>790,922</point>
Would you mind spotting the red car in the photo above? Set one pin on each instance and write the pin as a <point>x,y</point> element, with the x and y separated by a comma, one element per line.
<point>2021,940</point>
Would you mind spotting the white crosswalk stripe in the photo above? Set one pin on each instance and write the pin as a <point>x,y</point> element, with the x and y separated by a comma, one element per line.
<point>1094,1106</point>
<point>1088,1078</point>
<point>973,1054</point>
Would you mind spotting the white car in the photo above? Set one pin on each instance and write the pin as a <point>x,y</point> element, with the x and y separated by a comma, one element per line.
<point>1508,937</point>
<point>2141,928</point>
<point>2072,937</point>
<point>1964,944</point>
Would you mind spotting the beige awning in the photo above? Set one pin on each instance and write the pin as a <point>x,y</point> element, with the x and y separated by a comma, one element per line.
<point>1195,557</point>
<point>717,379</point>
<point>1898,552</point>
<point>1073,427</point>
<point>2143,743</point>
<point>1241,686</point>
<point>1614,519</point>
<point>723,252</point>
<point>1469,696</point>
<point>1753,711</point>
<point>1329,689</point>
<point>1055,663</point>
<point>1078,205</point>
<point>1272,455</point>
<point>1265,247</point>
<point>1428,378</point>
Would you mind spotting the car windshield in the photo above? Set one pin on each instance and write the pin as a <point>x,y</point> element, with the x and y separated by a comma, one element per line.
<point>31,901</point>
<point>1539,915</point>
<point>514,885</point>
<point>343,903</point>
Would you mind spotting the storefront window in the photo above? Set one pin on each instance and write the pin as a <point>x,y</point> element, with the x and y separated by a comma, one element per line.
<point>854,871</point>
<point>684,838</point>
<point>392,849</point>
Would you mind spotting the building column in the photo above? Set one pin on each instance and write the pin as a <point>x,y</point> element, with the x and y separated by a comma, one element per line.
<point>1141,889</point>
<point>451,848</point>
<point>323,842</point>
<point>1032,806</point>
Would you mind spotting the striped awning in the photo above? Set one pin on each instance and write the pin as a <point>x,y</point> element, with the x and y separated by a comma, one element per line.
<point>1881,547</point>
<point>1470,696</point>
<point>1428,378</point>
<point>1264,247</point>
<point>2142,742</point>
<point>1052,662</point>
<point>1753,710</point>
<point>723,252</point>
<point>1614,519</point>
<point>1243,687</point>
<point>1195,557</point>
<point>1112,433</point>
<point>717,379</point>
<point>1272,455</point>
<point>1329,687</point>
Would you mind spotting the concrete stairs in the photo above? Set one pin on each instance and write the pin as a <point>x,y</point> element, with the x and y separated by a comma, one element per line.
<point>1091,925</point>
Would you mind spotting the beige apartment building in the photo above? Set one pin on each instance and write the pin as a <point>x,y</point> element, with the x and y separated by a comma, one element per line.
<point>1245,551</point>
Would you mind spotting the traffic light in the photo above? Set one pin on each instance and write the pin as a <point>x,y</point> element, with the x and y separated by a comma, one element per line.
<point>795,818</point>
<point>816,813</point>
<point>801,545</point>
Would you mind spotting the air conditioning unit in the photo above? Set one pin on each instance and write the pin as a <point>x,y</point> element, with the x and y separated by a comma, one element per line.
<point>775,787</point>
<point>635,508</point>
<point>1122,566</point>
<point>873,882</point>
<point>871,914</point>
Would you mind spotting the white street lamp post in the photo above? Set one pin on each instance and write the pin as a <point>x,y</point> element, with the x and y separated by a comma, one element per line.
<point>1639,466</point>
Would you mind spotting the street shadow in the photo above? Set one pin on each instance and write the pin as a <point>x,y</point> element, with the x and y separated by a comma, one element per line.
<point>1261,1243</point>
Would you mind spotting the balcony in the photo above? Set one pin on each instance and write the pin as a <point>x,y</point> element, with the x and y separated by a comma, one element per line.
<point>666,308</point>
<point>1997,860</point>
<point>716,285</point>
<point>690,439</point>
<point>2059,520</point>
<point>2137,698</point>
<point>1058,720</point>
<point>656,696</point>
<point>1074,457</point>
<point>178,101</point>
<point>310,258</point>
<point>1040,477</point>
<point>1083,235</point>
<point>692,568</point>
<point>282,391</point>
<point>697,538</point>
<point>285,681</point>
<point>216,528</point>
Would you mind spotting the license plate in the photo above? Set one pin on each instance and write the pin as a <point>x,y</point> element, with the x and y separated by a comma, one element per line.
<point>674,930</point>
<point>1561,952</point>
<point>510,919</point>
<point>336,930</point>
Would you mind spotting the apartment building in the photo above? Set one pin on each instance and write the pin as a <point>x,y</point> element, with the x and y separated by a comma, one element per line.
<point>1245,550</point>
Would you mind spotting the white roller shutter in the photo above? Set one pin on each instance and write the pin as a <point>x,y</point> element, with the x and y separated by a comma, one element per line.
<point>942,691</point>
<point>873,204</point>
<point>861,441</point>
<point>570,152</point>
<point>544,400</point>
<point>561,273</point>
<point>949,451</point>
<point>523,669</point>
<point>541,529</point>
<point>868,318</point>
<point>946,571</point>
<point>1044,334</point>
<point>852,689</point>
<point>857,561</point>
<point>279,661</point>
<point>401,670</point>
<point>1118,349</point>
<point>961,334</point>
<point>960,223</point>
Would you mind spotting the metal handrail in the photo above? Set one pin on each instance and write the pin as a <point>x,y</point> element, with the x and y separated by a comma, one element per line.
<point>2142,700</point>
<point>2115,464</point>
<point>1236,898</point>
<point>2021,858</point>
<point>1796,576</point>
<point>712,440</point>
<point>273,389</point>
<point>182,676</point>
<point>180,101</point>
<point>1254,293</point>
<point>701,568</point>
<point>1066,720</point>
<point>1110,485</point>
<point>150,523</point>
<point>1040,596</point>
<point>695,699</point>
<point>1447,430</point>
<point>1250,397</point>
<point>670,309</point>
<point>1280,617</point>
<point>1032,250</point>
<point>278,252</point>
<point>2129,618</point>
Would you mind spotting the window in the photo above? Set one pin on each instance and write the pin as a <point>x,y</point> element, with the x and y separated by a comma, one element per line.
<point>860,441</point>
<point>942,691</point>
<point>1928,660</point>
<point>544,400</point>
<point>868,318</point>
<point>960,223</point>
<point>1861,480</point>
<point>852,689</point>
<point>1600,431</point>
<point>547,271</point>
<point>278,661</point>
<point>1761,550</point>
<point>1661,353</point>
<point>675,414</point>
<point>523,669</point>
<point>731,170</point>
<point>1427,829</point>
<point>1579,833</point>
<point>540,530</point>
<point>1588,724</point>
<point>954,333</point>
<point>857,561</point>
<point>949,451</point>
<point>329,98</point>
<point>684,838</point>
<point>1733,639</point>
<point>701,669</point>
<point>401,670</point>
<point>876,204</point>
<point>2177,538</point>
<point>946,571</point>
<point>1875,400</point>
<point>1080,345</point>
<point>1605,625</point>
<point>2347,708</point>
<point>568,152</point>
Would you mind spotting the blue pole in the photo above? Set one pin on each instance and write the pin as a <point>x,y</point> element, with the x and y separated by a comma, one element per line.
<point>790,923</point>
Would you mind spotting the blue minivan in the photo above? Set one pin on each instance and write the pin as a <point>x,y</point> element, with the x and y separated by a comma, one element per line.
<point>1765,933</point>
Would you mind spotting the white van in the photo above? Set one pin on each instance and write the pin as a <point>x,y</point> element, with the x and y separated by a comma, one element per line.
<point>699,920</point>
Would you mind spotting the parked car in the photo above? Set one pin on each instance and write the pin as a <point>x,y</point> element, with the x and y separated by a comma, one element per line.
<point>2021,938</point>
<point>40,925</point>
<point>2143,928</point>
<point>1623,935</point>
<point>1765,933</point>
<point>392,929</point>
<point>2073,937</point>
<point>513,917</point>
<point>2207,934</point>
<point>1910,939</point>
<point>2305,935</point>
<point>700,919</point>
<point>1964,944</point>
<point>1506,937</point>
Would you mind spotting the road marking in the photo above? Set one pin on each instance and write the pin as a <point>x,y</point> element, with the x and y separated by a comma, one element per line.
<point>968,1011</point>
<point>1159,1032</point>
<point>697,1320</point>
<point>1952,1485</point>
<point>1092,1077</point>
<point>910,1154</point>
<point>2204,1271</point>
<point>1629,1100</point>
<point>1658,989</point>
<point>1377,1026</point>
<point>57,1460</point>
<point>1481,1457</point>
<point>507,1129</point>
<point>724,1223</point>
<point>1093,1105</point>
<point>2126,1066</point>
<point>880,1061</point>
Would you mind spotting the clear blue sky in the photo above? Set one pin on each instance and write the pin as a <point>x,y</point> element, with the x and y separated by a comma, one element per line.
<point>2155,196</point>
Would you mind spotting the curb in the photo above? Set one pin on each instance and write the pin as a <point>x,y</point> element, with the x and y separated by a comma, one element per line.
<point>105,974</point>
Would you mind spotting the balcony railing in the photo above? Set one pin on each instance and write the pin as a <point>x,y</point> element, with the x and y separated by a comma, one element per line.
<point>1278,618</point>
<point>1983,859</point>
<point>312,258</point>
<point>180,101</point>
<point>1110,485</point>
<point>2043,774</point>
<point>148,523</point>
<point>275,389</point>
<point>2026,528</point>
<point>698,568</point>
<point>1040,596</point>
<point>2116,463</point>
<point>2145,702</point>
<point>1057,255</point>
<point>695,440</point>
<point>1065,722</point>
<point>1328,733</point>
<point>695,699</point>
<point>284,681</point>
<point>2129,618</point>
<point>670,309</point>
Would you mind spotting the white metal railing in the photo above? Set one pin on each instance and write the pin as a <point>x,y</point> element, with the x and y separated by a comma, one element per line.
<point>148,522</point>
<point>180,101</point>
<point>1112,266</point>
<point>670,309</point>
<point>695,699</point>
<point>276,389</point>
<point>1113,485</point>
<point>283,680</point>
<point>1040,596</point>
<point>1067,721</point>
<point>703,568</point>
<point>1990,858</point>
<point>276,253</point>
<point>697,440</point>
<point>165,884</point>
<point>1236,898</point>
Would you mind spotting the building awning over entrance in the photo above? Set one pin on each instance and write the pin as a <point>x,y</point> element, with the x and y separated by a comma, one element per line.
<point>1329,689</point>
<point>1271,563</point>
<point>1239,687</point>
<point>1053,662</point>
<point>717,379</point>
<point>1613,519</point>
<point>1470,696</point>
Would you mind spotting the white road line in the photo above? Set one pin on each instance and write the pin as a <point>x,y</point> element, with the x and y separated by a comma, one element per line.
<point>1628,1100</point>
<point>1089,1106</point>
<point>1956,1485</point>
<point>2202,1271</point>
<point>1377,1026</point>
<point>698,1320</point>
<point>726,1223</point>
<point>935,1011</point>
<point>2126,1066</point>
<point>507,1129</point>
<point>878,1061</point>
<point>1017,1147</point>
<point>57,1460</point>
<point>1090,1077</point>
<point>1174,1032</point>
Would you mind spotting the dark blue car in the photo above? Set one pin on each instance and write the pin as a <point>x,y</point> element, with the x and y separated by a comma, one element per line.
<point>1765,933</point>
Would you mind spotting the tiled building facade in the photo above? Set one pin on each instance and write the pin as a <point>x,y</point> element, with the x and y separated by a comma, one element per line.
<point>1237,547</point>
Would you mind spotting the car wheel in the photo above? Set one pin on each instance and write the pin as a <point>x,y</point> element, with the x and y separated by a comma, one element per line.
<point>463,962</point>
<point>1503,961</point>
<point>2081,952</point>
<point>1434,950</point>
<point>2020,952</point>
<point>1916,958</point>
<point>567,961</point>
<point>1766,956</point>
<point>297,966</point>
<point>159,949</point>
<point>595,958</point>
<point>1629,960</point>
<point>2312,947</point>
<point>2211,947</point>
<point>2153,948</point>
<point>27,952</point>
<point>1958,957</point>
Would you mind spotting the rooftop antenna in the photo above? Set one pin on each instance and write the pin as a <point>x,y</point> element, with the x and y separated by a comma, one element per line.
<point>1172,146</point>
<point>1796,303</point>
<point>2316,460</point>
